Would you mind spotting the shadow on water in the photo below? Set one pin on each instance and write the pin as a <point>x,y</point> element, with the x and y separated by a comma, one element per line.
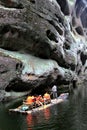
<point>68,115</point>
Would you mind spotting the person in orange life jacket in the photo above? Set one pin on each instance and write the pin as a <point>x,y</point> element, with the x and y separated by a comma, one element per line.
<point>30,101</point>
<point>47,98</point>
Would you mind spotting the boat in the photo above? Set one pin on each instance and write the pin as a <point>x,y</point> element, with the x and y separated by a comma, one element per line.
<point>24,109</point>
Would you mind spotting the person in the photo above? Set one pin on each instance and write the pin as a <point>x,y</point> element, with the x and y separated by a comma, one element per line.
<point>39,101</point>
<point>40,98</point>
<point>54,91</point>
<point>29,101</point>
<point>47,98</point>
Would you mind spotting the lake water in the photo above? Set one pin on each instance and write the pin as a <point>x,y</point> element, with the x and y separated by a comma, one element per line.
<point>68,115</point>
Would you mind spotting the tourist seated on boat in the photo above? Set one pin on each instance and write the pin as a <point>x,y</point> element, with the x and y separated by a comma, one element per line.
<point>34,101</point>
<point>30,101</point>
<point>47,98</point>
<point>39,101</point>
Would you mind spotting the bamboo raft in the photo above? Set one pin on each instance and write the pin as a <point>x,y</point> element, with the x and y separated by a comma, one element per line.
<point>60,99</point>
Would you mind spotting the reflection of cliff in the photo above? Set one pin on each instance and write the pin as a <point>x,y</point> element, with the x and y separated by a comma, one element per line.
<point>39,46</point>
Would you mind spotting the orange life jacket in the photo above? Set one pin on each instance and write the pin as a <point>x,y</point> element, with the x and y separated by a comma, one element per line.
<point>47,96</point>
<point>29,100</point>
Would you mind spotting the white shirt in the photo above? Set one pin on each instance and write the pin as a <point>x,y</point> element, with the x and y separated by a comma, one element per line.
<point>54,88</point>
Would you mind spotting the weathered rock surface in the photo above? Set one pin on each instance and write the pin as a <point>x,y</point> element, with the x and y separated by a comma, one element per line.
<point>38,47</point>
<point>79,17</point>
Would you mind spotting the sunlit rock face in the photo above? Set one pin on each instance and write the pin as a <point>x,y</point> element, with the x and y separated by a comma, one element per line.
<point>37,47</point>
<point>79,24</point>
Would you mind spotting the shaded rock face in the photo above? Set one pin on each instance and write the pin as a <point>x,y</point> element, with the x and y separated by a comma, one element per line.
<point>38,47</point>
<point>79,19</point>
<point>64,6</point>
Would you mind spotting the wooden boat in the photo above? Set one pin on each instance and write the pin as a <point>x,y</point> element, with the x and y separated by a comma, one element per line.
<point>24,108</point>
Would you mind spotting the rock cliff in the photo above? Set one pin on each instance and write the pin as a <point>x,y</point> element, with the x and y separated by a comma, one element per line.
<point>39,46</point>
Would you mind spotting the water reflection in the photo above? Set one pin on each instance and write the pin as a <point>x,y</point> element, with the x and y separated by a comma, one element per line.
<point>31,120</point>
<point>47,113</point>
<point>55,110</point>
<point>42,118</point>
<point>36,118</point>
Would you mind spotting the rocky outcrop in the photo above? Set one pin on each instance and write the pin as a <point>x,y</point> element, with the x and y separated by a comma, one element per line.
<point>79,16</point>
<point>38,47</point>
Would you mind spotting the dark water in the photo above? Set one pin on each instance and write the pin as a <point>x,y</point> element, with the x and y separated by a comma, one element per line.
<point>69,115</point>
